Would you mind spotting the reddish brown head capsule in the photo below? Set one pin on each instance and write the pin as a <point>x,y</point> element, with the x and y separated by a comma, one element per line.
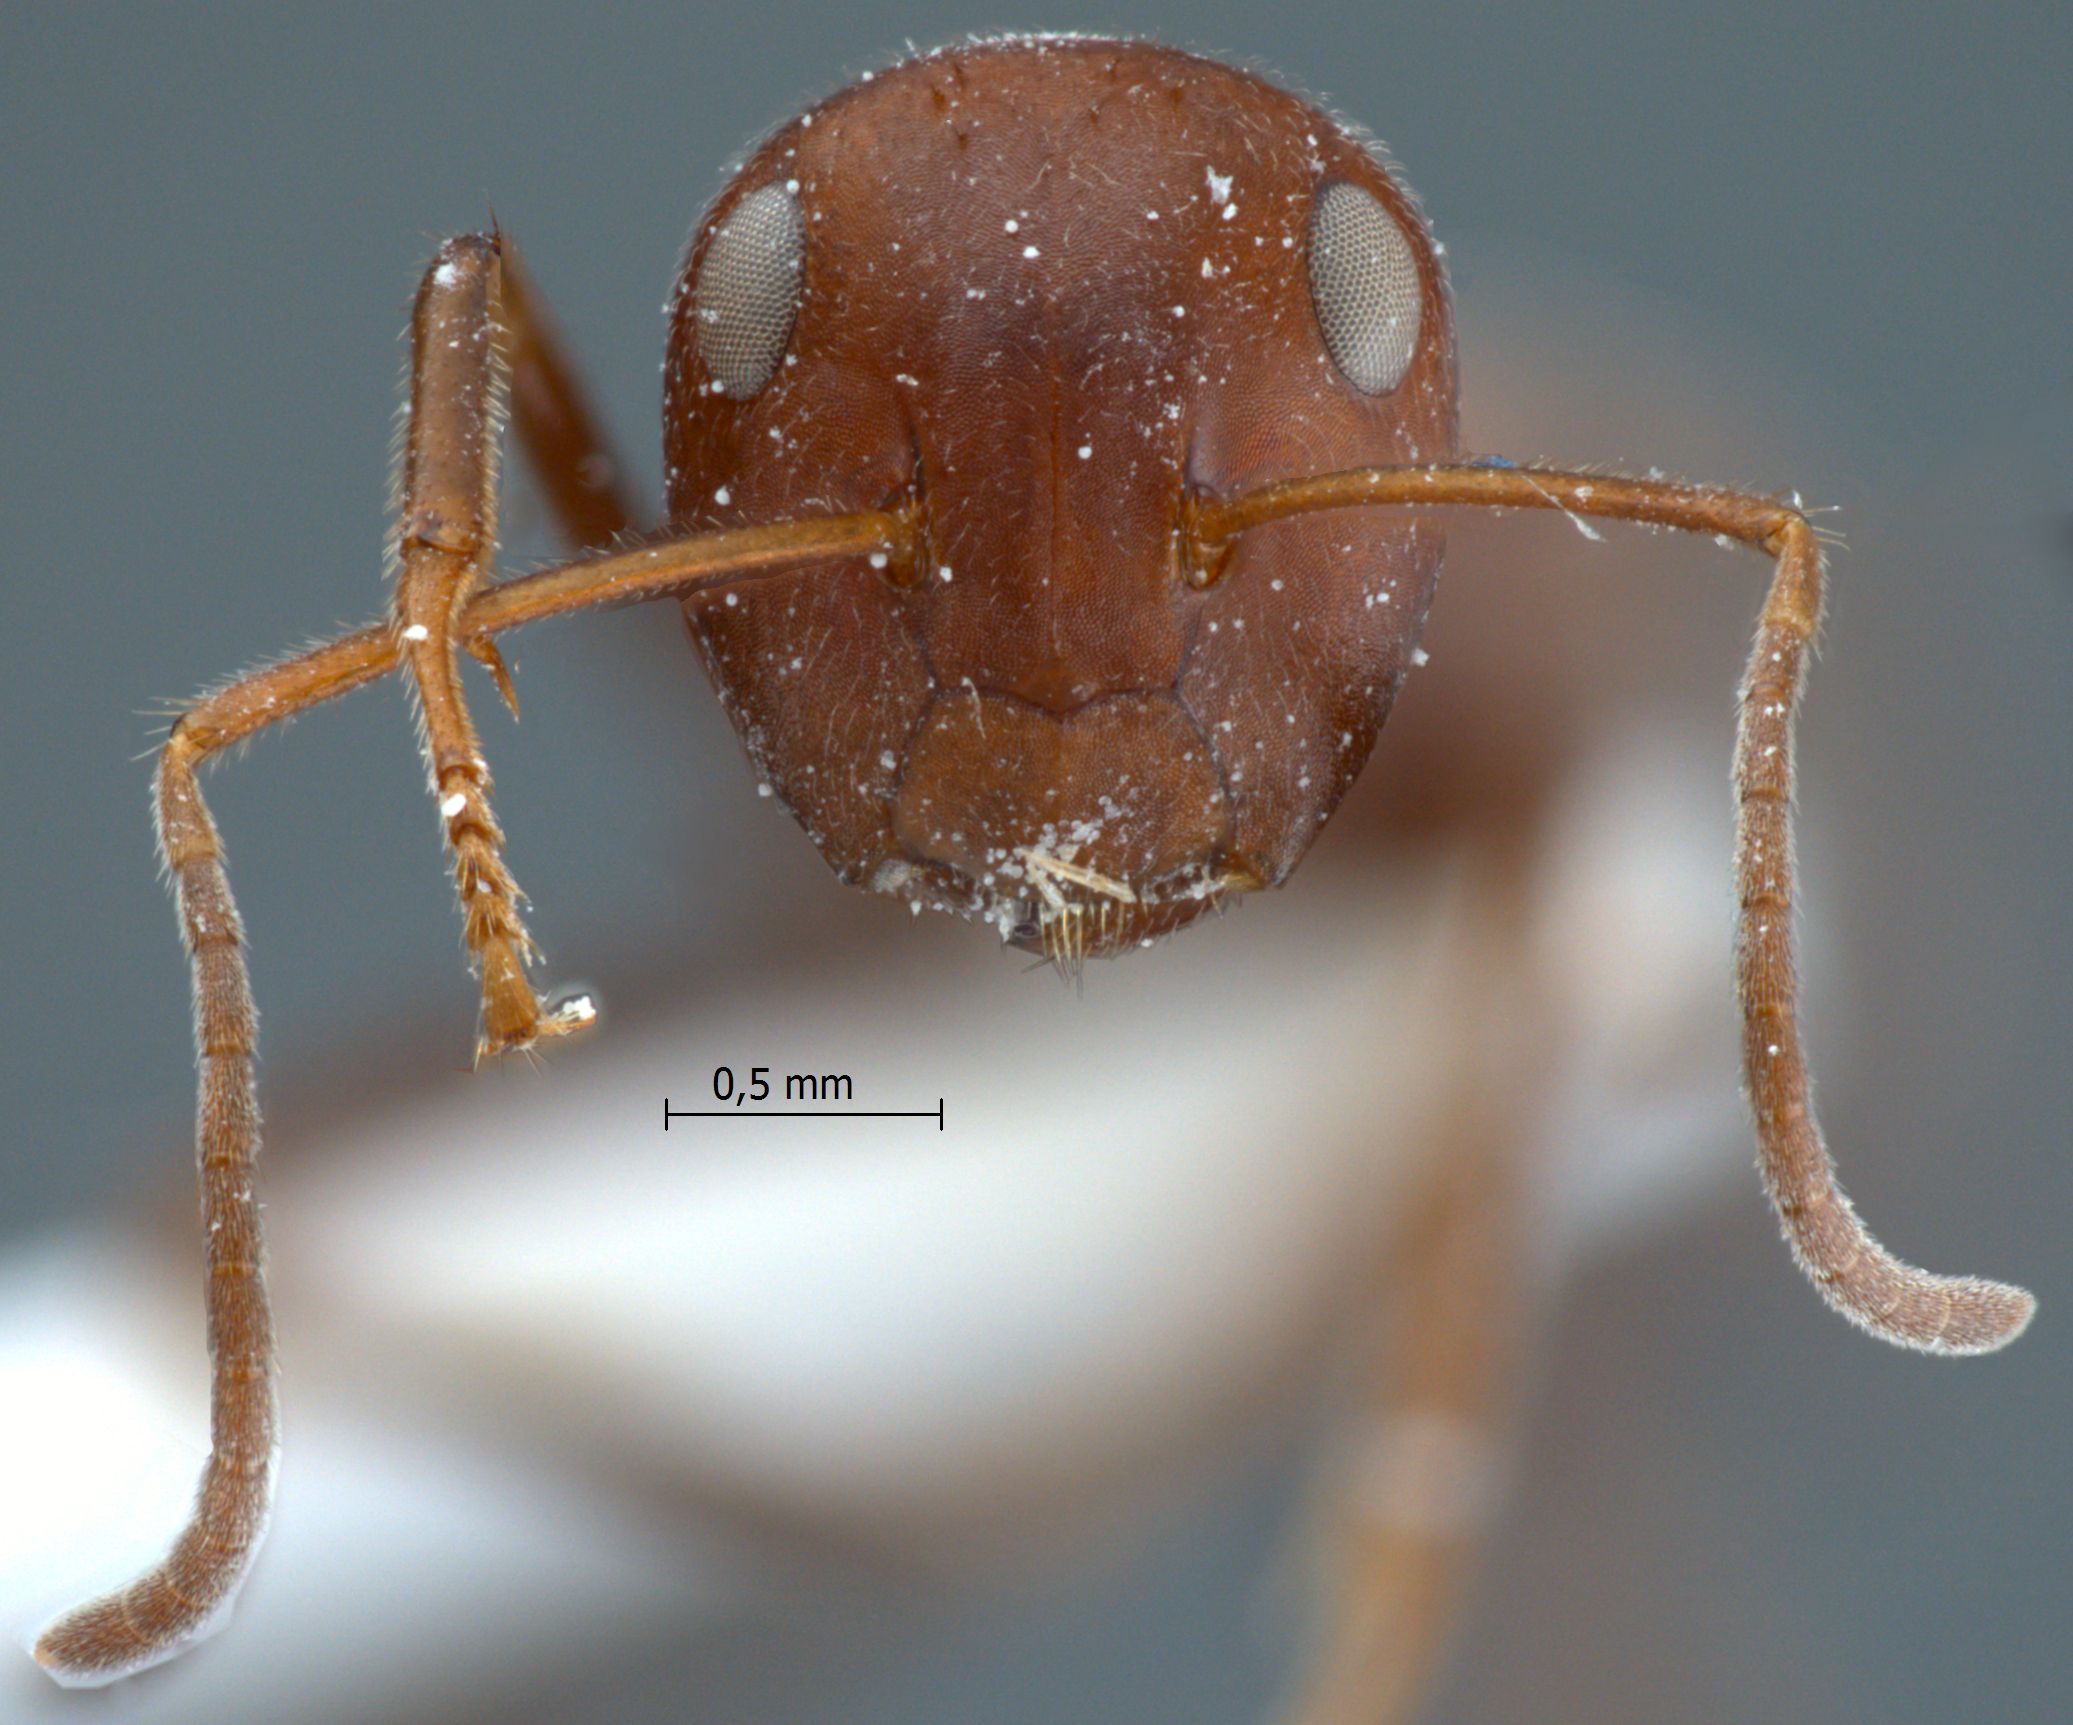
<point>1048,297</point>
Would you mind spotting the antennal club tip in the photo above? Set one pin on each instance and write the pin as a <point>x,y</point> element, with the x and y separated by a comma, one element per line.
<point>1986,1318</point>
<point>1956,1315</point>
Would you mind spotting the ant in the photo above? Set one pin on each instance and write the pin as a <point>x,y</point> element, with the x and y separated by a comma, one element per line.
<point>1057,437</point>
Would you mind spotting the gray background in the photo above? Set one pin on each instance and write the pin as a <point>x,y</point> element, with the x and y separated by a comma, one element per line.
<point>209,225</point>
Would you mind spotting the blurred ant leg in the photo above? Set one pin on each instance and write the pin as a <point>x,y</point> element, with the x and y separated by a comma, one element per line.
<point>187,1594</point>
<point>1416,1469</point>
<point>568,455</point>
<point>445,543</point>
<point>1856,1275</point>
<point>1412,1496</point>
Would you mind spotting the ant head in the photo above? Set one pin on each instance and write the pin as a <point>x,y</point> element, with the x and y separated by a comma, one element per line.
<point>1044,296</point>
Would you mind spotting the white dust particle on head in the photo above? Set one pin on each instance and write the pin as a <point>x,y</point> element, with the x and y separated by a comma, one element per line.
<point>1219,187</point>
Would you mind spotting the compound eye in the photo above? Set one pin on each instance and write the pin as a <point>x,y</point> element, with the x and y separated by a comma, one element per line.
<point>1364,284</point>
<point>748,290</point>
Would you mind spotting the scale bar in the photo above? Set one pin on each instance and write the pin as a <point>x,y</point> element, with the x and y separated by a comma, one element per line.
<point>935,1113</point>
